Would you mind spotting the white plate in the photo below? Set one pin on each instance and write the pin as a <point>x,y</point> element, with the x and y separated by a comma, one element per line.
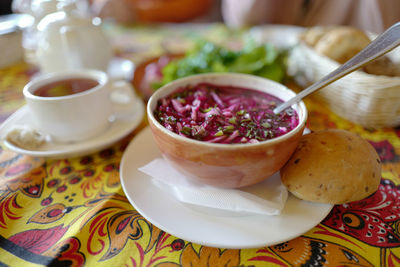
<point>208,227</point>
<point>118,129</point>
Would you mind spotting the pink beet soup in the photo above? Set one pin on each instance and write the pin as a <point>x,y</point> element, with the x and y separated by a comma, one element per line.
<point>224,114</point>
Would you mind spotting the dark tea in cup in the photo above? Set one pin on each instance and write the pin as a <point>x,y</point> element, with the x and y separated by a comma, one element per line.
<point>73,106</point>
<point>65,87</point>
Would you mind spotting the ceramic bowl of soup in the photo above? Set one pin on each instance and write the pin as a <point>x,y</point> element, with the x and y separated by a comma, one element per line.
<point>220,130</point>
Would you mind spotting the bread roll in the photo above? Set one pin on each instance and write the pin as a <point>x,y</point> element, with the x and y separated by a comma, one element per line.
<point>382,66</point>
<point>342,43</point>
<point>332,166</point>
<point>312,35</point>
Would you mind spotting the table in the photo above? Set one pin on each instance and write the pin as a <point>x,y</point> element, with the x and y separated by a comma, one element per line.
<point>73,212</point>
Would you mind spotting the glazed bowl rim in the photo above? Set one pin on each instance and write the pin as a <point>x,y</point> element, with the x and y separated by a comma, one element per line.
<point>198,78</point>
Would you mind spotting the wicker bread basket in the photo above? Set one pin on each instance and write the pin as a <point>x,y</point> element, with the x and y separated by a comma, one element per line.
<point>365,99</point>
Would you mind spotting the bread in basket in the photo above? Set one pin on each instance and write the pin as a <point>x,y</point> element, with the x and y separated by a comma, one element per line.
<point>370,100</point>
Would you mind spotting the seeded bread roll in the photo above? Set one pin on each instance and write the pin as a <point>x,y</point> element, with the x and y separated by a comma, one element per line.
<point>332,166</point>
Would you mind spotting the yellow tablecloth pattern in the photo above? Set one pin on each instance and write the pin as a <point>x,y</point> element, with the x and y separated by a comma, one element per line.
<point>73,212</point>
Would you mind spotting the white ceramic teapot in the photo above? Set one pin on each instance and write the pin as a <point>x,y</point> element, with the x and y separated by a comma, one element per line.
<point>69,41</point>
<point>40,8</point>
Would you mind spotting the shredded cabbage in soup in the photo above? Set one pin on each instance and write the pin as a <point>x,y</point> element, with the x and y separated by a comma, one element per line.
<point>224,114</point>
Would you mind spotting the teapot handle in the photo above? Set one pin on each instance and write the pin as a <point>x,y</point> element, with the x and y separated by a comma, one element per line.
<point>72,46</point>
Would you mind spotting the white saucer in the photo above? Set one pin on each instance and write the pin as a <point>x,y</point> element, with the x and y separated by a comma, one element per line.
<point>118,129</point>
<point>203,227</point>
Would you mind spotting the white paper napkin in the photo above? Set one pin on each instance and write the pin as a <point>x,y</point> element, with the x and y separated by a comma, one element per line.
<point>266,198</point>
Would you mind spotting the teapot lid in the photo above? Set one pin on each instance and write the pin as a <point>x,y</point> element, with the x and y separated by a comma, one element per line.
<point>67,7</point>
<point>41,8</point>
<point>67,14</point>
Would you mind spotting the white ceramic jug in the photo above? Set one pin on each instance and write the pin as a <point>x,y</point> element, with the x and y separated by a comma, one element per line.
<point>69,41</point>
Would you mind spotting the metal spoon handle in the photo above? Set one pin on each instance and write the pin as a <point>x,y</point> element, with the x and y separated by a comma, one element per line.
<point>378,47</point>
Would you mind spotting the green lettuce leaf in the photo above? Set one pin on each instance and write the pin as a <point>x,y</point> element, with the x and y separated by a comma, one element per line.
<point>263,60</point>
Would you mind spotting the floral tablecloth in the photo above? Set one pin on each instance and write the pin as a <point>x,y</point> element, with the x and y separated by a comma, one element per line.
<point>73,211</point>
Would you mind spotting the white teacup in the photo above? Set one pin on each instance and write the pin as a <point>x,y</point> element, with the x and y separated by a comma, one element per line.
<point>78,116</point>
